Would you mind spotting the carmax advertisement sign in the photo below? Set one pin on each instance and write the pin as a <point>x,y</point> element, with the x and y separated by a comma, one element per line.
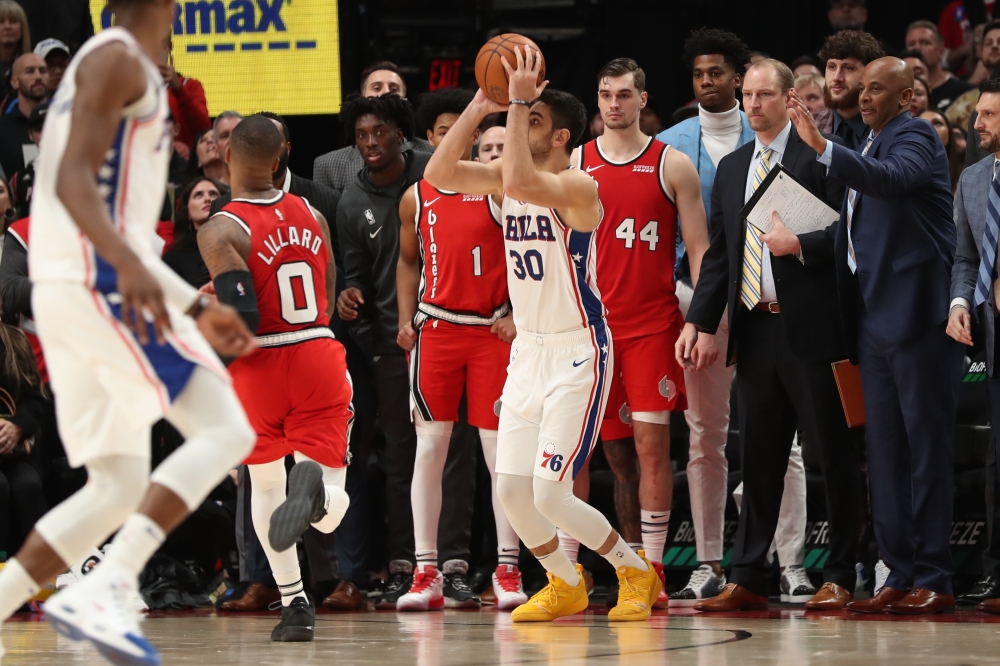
<point>254,55</point>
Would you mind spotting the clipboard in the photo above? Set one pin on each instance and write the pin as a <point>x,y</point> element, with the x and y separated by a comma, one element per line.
<point>848,378</point>
<point>799,208</point>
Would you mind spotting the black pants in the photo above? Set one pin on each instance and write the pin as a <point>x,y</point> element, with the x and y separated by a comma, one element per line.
<point>777,392</point>
<point>391,379</point>
<point>991,556</point>
<point>22,501</point>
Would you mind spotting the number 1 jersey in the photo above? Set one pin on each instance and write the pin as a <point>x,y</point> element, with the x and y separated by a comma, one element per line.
<point>636,242</point>
<point>288,261</point>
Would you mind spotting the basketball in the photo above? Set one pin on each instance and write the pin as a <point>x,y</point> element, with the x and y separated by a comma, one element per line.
<point>490,74</point>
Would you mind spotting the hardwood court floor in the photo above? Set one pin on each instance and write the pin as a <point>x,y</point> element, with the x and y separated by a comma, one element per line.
<point>464,638</point>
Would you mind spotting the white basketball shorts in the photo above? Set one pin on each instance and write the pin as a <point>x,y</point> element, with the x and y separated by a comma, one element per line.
<point>109,389</point>
<point>553,402</point>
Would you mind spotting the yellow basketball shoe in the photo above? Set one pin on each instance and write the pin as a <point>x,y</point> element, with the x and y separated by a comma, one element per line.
<point>557,599</point>
<point>637,592</point>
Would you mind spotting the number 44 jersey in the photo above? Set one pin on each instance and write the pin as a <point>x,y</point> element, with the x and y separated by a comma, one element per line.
<point>288,261</point>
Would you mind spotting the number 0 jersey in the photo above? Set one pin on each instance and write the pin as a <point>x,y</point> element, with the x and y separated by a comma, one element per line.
<point>288,262</point>
<point>551,271</point>
<point>636,242</point>
<point>463,279</point>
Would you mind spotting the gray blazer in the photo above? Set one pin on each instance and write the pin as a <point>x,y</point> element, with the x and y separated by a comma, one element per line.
<point>970,219</point>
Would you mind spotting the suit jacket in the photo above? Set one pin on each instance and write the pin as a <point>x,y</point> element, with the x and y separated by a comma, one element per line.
<point>806,289</point>
<point>971,199</point>
<point>902,229</point>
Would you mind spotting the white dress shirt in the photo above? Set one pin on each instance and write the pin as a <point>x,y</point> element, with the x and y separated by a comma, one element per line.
<point>767,292</point>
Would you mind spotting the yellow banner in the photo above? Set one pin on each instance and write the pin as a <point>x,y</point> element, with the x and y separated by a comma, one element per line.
<point>257,55</point>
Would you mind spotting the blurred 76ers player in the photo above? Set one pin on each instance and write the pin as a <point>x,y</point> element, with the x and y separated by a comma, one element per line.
<point>270,258</point>
<point>121,336</point>
<point>562,357</point>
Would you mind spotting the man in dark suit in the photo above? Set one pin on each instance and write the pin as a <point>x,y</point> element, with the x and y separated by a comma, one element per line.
<point>974,288</point>
<point>894,250</point>
<point>784,332</point>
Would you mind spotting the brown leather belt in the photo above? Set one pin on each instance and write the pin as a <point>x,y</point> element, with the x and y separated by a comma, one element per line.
<point>768,307</point>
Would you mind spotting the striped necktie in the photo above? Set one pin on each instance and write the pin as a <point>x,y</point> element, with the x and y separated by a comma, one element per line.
<point>988,262</point>
<point>753,248</point>
<point>852,197</point>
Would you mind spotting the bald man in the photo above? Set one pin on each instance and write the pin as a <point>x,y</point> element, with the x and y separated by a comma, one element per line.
<point>894,249</point>
<point>28,78</point>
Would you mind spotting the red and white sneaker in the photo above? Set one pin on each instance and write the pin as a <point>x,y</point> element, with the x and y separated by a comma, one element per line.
<point>426,593</point>
<point>507,587</point>
<point>663,600</point>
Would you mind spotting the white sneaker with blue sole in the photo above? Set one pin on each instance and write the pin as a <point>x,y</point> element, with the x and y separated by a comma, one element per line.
<point>98,609</point>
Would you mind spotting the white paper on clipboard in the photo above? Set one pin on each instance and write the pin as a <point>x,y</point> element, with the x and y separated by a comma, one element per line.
<point>800,210</point>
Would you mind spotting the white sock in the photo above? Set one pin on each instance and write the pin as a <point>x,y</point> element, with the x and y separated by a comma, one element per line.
<point>634,546</point>
<point>427,558</point>
<point>621,555</point>
<point>135,543</point>
<point>433,438</point>
<point>655,525</point>
<point>290,585</point>
<point>559,565</point>
<point>569,545</point>
<point>16,587</point>
<point>508,554</point>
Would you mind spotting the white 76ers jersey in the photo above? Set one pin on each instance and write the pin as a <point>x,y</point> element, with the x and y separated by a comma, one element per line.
<point>551,270</point>
<point>132,179</point>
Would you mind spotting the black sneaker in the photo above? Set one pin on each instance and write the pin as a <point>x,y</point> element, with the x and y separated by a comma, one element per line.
<point>304,505</point>
<point>612,599</point>
<point>400,580</point>
<point>457,591</point>
<point>297,622</point>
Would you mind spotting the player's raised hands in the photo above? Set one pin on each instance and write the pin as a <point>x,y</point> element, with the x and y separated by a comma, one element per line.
<point>486,104</point>
<point>224,329</point>
<point>524,80</point>
<point>141,296</point>
<point>347,303</point>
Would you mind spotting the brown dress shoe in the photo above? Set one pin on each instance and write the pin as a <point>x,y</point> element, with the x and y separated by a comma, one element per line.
<point>990,606</point>
<point>347,597</point>
<point>732,598</point>
<point>830,597</point>
<point>877,603</point>
<point>922,602</point>
<point>257,598</point>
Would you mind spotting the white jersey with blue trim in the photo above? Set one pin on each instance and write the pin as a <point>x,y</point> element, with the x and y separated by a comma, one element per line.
<point>132,179</point>
<point>551,270</point>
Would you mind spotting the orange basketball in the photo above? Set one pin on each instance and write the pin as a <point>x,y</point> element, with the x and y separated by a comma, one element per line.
<point>490,74</point>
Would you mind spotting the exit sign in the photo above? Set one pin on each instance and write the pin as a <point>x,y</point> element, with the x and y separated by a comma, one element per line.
<point>444,73</point>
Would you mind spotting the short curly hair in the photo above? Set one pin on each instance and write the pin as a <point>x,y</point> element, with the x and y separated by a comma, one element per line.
<point>430,105</point>
<point>390,108</point>
<point>711,41</point>
<point>851,44</point>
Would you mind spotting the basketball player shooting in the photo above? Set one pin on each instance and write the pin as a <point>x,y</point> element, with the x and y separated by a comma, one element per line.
<point>561,360</point>
<point>270,258</point>
<point>126,340</point>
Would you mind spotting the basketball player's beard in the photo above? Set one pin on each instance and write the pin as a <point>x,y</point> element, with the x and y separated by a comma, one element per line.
<point>624,123</point>
<point>848,101</point>
<point>990,145</point>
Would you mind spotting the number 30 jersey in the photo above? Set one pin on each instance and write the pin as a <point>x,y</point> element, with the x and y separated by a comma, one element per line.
<point>288,261</point>
<point>637,240</point>
<point>551,271</point>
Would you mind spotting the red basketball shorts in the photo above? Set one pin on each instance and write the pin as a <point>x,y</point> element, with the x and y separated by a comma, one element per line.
<point>451,357</point>
<point>647,379</point>
<point>298,399</point>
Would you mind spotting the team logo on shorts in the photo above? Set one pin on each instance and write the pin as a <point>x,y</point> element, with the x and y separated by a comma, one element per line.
<point>550,459</point>
<point>625,414</point>
<point>496,407</point>
<point>668,389</point>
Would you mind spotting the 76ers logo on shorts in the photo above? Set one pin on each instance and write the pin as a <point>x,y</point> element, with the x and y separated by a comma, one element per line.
<point>550,459</point>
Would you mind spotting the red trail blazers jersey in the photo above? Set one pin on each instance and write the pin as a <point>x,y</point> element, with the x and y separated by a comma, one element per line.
<point>288,262</point>
<point>636,242</point>
<point>464,276</point>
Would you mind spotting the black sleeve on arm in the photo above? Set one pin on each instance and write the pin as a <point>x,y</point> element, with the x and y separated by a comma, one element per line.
<point>15,287</point>
<point>235,288</point>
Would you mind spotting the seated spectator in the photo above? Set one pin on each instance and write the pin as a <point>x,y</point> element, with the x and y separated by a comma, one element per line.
<point>918,103</point>
<point>22,183</point>
<point>194,207</point>
<point>943,127</point>
<point>915,59</point>
<point>15,41</point>
<point>56,56</point>
<point>29,83</point>
<point>205,159</point>
<point>22,404</point>
<point>812,89</point>
<point>7,207</point>
<point>804,65</point>
<point>188,105</point>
